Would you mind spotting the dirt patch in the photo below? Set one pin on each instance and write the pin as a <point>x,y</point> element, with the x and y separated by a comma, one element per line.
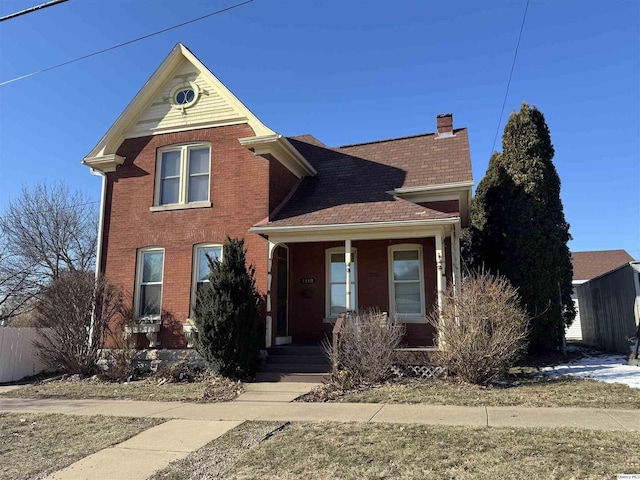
<point>216,459</point>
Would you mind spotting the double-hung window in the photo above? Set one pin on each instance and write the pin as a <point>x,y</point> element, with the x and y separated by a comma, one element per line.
<point>337,282</point>
<point>183,174</point>
<point>406,281</point>
<point>201,266</point>
<point>149,283</point>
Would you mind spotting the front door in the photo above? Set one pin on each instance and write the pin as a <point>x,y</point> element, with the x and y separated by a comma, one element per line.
<point>282,292</point>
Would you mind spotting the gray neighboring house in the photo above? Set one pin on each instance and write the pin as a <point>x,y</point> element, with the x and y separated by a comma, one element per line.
<point>607,291</point>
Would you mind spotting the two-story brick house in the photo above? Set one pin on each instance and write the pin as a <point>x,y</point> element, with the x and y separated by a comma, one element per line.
<point>187,164</point>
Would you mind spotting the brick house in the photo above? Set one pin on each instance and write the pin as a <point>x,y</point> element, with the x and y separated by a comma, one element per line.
<point>187,164</point>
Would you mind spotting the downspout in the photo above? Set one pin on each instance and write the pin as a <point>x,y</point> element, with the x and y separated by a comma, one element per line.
<point>103,194</point>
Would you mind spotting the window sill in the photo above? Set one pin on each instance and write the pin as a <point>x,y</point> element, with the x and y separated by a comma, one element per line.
<point>400,319</point>
<point>143,328</point>
<point>179,206</point>
<point>411,319</point>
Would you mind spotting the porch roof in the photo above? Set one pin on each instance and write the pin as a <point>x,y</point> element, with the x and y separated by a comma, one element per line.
<point>355,184</point>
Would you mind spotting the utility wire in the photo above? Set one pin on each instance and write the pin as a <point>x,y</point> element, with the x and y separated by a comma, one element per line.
<point>32,9</point>
<point>126,43</point>
<point>513,65</point>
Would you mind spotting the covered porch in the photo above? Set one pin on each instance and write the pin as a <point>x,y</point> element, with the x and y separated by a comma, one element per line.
<point>401,268</point>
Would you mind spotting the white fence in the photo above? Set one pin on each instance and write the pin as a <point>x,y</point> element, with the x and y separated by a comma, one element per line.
<point>17,355</point>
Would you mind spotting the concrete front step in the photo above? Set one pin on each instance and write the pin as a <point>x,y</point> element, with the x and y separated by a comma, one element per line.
<point>291,377</point>
<point>297,350</point>
<point>295,363</point>
<point>296,368</point>
<point>298,359</point>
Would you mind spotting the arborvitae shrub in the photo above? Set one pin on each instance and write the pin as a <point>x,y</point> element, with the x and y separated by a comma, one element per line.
<point>227,315</point>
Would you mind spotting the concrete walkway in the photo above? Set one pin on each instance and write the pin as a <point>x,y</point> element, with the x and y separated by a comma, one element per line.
<point>142,455</point>
<point>586,418</point>
<point>274,391</point>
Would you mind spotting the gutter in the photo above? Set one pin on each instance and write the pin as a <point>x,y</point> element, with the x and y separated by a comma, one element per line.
<point>348,226</point>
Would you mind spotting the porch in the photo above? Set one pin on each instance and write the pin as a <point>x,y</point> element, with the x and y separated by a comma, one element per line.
<point>402,270</point>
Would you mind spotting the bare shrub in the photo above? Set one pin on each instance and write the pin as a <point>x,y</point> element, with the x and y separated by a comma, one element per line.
<point>365,349</point>
<point>69,340</point>
<point>482,328</point>
<point>119,362</point>
<point>173,372</point>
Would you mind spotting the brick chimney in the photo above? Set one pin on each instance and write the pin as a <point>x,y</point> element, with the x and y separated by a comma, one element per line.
<point>445,124</point>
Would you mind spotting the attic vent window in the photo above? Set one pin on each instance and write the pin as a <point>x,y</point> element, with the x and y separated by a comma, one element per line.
<point>184,95</point>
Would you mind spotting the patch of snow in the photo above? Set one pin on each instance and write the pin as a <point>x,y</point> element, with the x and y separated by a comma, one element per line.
<point>601,367</point>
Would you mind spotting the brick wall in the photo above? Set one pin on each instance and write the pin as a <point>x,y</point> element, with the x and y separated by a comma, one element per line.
<point>444,206</point>
<point>281,182</point>
<point>240,198</point>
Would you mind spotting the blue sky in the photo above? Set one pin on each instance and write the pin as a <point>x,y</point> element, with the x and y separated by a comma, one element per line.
<point>347,72</point>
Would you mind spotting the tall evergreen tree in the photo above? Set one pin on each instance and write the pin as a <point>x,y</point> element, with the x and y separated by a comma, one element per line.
<point>229,332</point>
<point>518,227</point>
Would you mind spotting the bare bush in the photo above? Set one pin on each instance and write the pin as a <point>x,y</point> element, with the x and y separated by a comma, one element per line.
<point>365,349</point>
<point>119,362</point>
<point>482,329</point>
<point>69,340</point>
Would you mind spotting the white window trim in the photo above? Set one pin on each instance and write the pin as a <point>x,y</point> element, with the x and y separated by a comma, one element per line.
<point>194,270</point>
<point>406,317</point>
<point>183,191</point>
<point>329,318</point>
<point>138,289</point>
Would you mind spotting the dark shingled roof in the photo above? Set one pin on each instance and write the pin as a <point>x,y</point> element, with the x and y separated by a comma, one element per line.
<point>352,181</point>
<point>588,265</point>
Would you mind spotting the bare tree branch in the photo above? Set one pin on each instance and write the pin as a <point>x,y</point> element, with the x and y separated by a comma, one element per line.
<point>47,231</point>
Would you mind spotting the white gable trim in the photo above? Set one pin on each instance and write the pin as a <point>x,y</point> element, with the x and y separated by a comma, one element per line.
<point>116,134</point>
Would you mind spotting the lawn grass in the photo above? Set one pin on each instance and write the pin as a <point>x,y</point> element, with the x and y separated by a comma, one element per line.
<point>210,390</point>
<point>35,445</point>
<point>527,391</point>
<point>322,451</point>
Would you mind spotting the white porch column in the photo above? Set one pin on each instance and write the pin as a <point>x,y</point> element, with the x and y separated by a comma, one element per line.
<point>455,250</point>
<point>347,262</point>
<point>440,270</point>
<point>268,319</point>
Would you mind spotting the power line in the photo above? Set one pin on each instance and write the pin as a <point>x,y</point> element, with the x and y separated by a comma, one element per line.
<point>32,9</point>
<point>513,65</point>
<point>126,43</point>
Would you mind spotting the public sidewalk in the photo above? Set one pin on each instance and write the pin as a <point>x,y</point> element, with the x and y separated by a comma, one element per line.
<point>585,418</point>
<point>193,425</point>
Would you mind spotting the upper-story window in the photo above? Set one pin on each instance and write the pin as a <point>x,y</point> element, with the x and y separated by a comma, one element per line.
<point>183,174</point>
